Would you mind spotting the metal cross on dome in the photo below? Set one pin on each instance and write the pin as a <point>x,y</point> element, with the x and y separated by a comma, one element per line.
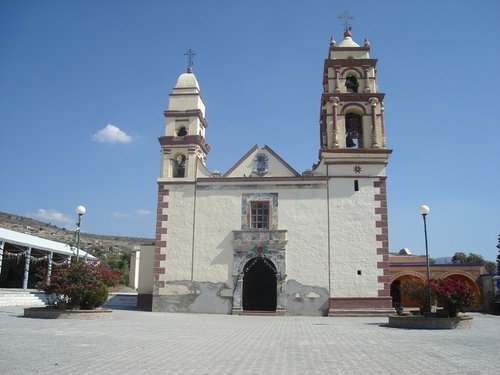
<point>346,17</point>
<point>190,53</point>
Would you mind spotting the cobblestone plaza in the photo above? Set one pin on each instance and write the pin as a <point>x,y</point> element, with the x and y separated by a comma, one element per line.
<point>134,342</point>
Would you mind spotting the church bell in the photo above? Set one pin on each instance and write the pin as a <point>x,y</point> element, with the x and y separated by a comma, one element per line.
<point>349,142</point>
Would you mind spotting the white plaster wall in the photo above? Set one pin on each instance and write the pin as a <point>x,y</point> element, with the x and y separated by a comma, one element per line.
<point>185,102</point>
<point>303,212</point>
<point>353,239</point>
<point>348,169</point>
<point>218,213</point>
<point>335,54</point>
<point>275,167</point>
<point>179,233</point>
<point>146,269</point>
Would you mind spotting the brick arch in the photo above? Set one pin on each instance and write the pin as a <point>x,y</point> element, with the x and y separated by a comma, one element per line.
<point>465,277</point>
<point>461,273</point>
<point>396,293</point>
<point>416,274</point>
<point>350,70</point>
<point>353,108</point>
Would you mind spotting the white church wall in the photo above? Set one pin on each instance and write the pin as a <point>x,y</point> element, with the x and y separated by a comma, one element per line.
<point>218,213</point>
<point>275,167</point>
<point>179,234</point>
<point>183,102</point>
<point>303,213</point>
<point>353,234</point>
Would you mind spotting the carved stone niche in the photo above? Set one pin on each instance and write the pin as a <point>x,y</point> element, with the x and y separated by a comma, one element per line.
<point>245,242</point>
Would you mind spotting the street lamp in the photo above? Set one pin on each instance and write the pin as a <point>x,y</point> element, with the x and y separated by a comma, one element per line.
<point>424,210</point>
<point>80,210</point>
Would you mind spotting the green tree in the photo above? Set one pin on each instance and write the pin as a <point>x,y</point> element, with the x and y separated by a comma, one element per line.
<point>119,262</point>
<point>498,256</point>
<point>490,266</point>
<point>472,258</point>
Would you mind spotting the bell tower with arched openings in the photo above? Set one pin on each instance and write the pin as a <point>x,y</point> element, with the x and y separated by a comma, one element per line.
<point>353,156</point>
<point>183,145</point>
<point>352,108</point>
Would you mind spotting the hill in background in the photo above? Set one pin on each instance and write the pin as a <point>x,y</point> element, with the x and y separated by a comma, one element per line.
<point>95,244</point>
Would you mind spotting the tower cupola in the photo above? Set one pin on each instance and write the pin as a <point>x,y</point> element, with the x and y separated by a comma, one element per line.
<point>184,145</point>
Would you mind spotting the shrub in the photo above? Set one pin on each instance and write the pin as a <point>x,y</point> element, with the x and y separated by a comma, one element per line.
<point>79,285</point>
<point>453,295</point>
<point>416,290</point>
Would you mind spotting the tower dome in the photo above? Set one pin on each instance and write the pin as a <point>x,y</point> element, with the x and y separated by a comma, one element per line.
<point>187,80</point>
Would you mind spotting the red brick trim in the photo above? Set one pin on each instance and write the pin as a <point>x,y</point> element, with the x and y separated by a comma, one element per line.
<point>187,140</point>
<point>195,112</point>
<point>334,63</point>
<point>382,302</point>
<point>352,98</point>
<point>161,229</point>
<point>287,166</point>
<point>356,151</point>
<point>382,239</point>
<point>241,160</point>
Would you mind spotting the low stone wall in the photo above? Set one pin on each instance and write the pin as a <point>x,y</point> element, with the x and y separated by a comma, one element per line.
<point>422,322</point>
<point>51,313</point>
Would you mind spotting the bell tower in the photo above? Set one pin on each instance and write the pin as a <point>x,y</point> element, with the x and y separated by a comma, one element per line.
<point>352,109</point>
<point>353,156</point>
<point>183,146</point>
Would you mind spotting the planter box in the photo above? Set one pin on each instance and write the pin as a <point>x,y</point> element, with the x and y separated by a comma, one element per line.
<point>421,322</point>
<point>51,313</point>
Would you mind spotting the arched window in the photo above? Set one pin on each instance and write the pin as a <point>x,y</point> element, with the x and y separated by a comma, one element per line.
<point>353,131</point>
<point>351,84</point>
<point>180,166</point>
<point>182,132</point>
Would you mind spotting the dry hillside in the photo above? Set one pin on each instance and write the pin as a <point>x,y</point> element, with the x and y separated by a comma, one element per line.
<point>93,243</point>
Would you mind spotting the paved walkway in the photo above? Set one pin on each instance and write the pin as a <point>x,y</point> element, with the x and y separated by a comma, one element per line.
<point>135,342</point>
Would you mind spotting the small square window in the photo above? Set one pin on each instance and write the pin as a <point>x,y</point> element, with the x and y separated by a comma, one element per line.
<point>259,215</point>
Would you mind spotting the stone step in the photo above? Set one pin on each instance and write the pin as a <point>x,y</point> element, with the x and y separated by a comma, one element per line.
<point>21,297</point>
<point>121,301</point>
<point>360,312</point>
<point>258,313</point>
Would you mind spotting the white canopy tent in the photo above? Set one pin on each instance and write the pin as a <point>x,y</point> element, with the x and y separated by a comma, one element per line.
<point>37,243</point>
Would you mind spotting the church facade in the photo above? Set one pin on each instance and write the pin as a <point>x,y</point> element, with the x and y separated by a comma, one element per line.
<point>263,237</point>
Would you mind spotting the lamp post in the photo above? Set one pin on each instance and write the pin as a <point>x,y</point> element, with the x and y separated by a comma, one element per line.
<point>80,210</point>
<point>424,210</point>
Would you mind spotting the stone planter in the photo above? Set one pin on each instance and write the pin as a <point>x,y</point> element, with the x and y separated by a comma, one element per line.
<point>423,322</point>
<point>52,313</point>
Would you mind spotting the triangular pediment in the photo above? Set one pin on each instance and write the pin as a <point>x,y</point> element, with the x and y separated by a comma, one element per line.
<point>261,162</point>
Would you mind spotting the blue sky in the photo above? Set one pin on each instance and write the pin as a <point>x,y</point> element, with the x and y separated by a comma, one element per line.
<point>76,75</point>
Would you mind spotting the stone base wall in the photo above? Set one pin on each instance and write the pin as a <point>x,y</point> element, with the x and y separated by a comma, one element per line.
<point>420,322</point>
<point>193,297</point>
<point>145,301</point>
<point>51,313</point>
<point>361,303</point>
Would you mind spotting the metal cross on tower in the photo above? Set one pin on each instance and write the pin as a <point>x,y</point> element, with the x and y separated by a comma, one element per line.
<point>346,17</point>
<point>190,53</point>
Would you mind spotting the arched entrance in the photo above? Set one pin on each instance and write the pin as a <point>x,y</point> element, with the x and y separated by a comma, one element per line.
<point>398,296</point>
<point>259,285</point>
<point>472,285</point>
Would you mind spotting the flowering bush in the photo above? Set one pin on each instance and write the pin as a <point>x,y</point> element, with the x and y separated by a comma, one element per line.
<point>416,290</point>
<point>453,295</point>
<point>79,285</point>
